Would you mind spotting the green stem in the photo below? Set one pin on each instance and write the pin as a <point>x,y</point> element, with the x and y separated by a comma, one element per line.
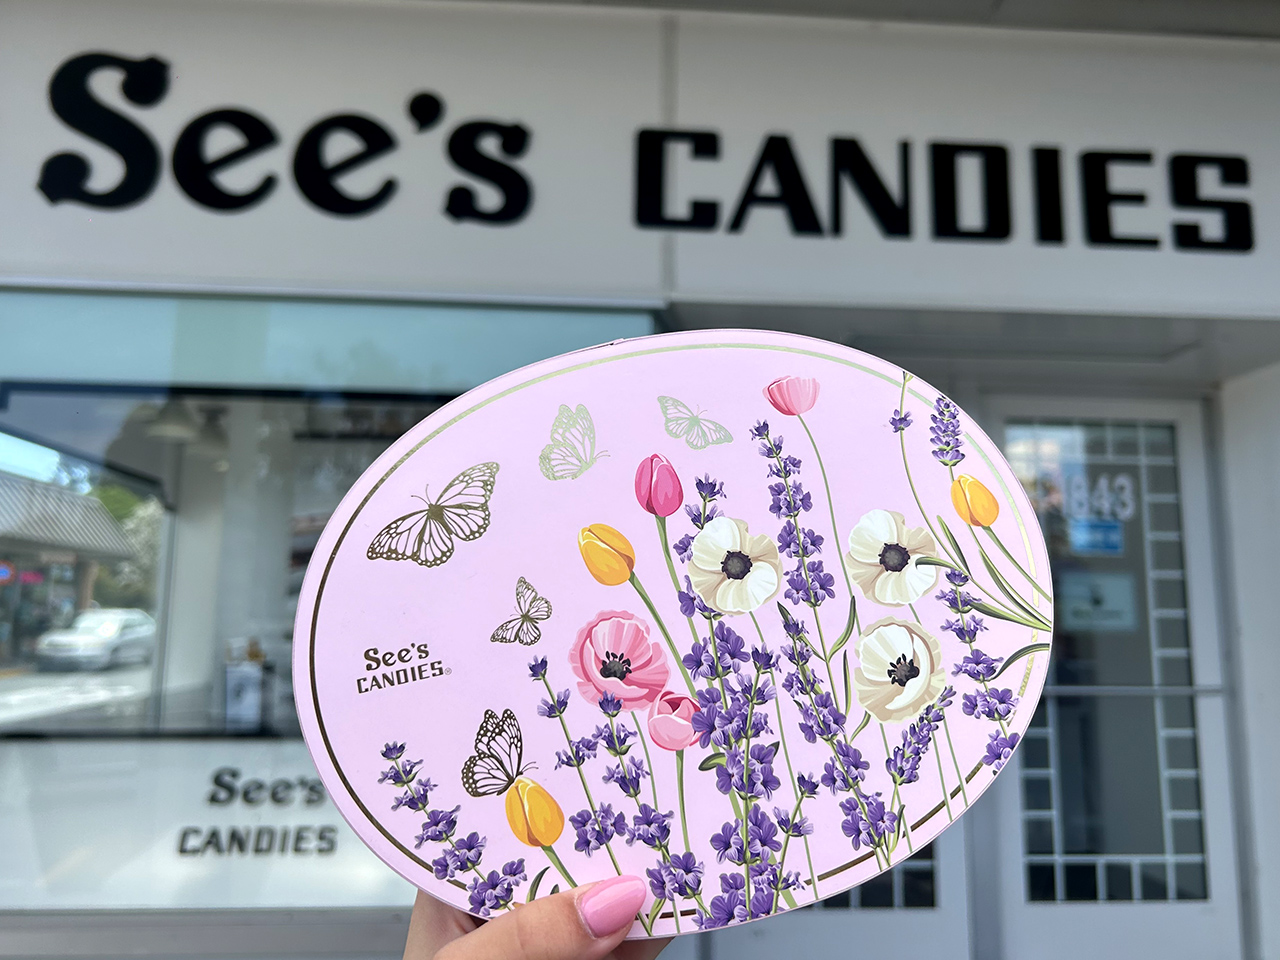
<point>959,773</point>
<point>653,774</point>
<point>715,655</point>
<point>1004,611</point>
<point>862,724</point>
<point>653,612</point>
<point>804,567</point>
<point>831,504</point>
<point>782,857</point>
<point>746,779</point>
<point>795,788</point>
<point>671,569</point>
<point>1005,550</point>
<point>986,687</point>
<point>946,794</point>
<point>942,543</point>
<point>826,657</point>
<point>879,847</point>
<point>675,906</point>
<point>684,820</point>
<point>902,442</point>
<point>902,820</point>
<point>581,776</point>
<point>555,861</point>
<point>904,828</point>
<point>782,733</point>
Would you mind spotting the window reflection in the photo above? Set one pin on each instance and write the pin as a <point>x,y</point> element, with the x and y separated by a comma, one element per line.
<point>152,549</point>
<point>1110,785</point>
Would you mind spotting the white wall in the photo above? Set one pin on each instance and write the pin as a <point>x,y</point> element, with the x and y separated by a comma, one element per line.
<point>1251,441</point>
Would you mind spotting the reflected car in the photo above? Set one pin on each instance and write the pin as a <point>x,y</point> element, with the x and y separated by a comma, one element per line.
<point>99,639</point>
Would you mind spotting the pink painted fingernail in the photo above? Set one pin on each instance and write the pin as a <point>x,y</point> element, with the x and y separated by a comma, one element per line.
<point>611,905</point>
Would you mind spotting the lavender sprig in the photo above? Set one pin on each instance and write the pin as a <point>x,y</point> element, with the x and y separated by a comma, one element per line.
<point>487,893</point>
<point>945,432</point>
<point>807,582</point>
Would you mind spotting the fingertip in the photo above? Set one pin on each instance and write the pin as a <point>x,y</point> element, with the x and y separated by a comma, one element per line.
<point>611,905</point>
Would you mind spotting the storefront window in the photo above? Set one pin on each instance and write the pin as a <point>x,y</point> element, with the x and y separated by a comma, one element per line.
<point>166,467</point>
<point>200,513</point>
<point>163,483</point>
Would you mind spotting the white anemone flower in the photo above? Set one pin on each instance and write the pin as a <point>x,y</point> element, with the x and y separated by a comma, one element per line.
<point>884,558</point>
<point>732,571</point>
<point>900,670</point>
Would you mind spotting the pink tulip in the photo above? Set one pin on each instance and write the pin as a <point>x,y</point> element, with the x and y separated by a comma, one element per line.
<point>613,654</point>
<point>670,721</point>
<point>792,395</point>
<point>657,486</point>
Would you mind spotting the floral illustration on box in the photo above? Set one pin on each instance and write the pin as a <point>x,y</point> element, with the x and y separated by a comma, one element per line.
<point>572,449</point>
<point>426,536</point>
<point>693,428</point>
<point>531,610</point>
<point>778,645</point>
<point>459,856</point>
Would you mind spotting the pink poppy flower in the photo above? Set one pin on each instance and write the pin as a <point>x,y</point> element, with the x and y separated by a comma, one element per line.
<point>792,395</point>
<point>671,721</point>
<point>613,654</point>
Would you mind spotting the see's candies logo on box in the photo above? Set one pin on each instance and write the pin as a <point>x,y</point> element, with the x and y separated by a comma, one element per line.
<point>750,615</point>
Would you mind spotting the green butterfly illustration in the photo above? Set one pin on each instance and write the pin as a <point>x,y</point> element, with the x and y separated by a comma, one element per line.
<point>697,431</point>
<point>572,449</point>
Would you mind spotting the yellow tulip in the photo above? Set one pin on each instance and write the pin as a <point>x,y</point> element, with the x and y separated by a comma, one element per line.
<point>974,502</point>
<point>609,556</point>
<point>534,815</point>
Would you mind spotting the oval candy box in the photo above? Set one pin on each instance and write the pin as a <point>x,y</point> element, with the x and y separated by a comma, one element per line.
<point>749,615</point>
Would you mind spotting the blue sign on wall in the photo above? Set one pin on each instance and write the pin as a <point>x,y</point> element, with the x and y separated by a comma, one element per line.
<point>1096,538</point>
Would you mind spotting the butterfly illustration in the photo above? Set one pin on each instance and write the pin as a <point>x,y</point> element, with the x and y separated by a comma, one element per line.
<point>530,610</point>
<point>572,449</point>
<point>426,536</point>
<point>697,431</point>
<point>499,756</point>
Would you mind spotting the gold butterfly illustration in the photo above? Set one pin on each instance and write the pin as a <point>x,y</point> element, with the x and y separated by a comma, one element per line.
<point>427,536</point>
<point>530,610</point>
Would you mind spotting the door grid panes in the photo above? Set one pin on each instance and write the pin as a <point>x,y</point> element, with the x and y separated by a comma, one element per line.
<point>1111,807</point>
<point>910,884</point>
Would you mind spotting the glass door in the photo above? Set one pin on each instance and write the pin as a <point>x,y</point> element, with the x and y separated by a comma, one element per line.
<point>1122,786</point>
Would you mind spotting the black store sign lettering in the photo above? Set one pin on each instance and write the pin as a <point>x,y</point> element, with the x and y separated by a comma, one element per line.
<point>486,151</point>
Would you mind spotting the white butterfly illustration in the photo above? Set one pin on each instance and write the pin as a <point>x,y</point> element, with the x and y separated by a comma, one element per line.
<point>693,428</point>
<point>572,449</point>
<point>530,610</point>
<point>426,536</point>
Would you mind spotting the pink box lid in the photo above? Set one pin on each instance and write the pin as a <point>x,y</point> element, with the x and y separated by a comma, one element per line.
<point>750,615</point>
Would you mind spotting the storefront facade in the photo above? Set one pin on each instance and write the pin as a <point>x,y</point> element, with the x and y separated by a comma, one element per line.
<point>245,245</point>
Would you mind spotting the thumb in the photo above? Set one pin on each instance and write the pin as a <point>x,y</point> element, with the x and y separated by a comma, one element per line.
<point>585,923</point>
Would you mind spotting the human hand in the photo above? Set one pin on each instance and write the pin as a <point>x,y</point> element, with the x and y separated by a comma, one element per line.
<point>586,923</point>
